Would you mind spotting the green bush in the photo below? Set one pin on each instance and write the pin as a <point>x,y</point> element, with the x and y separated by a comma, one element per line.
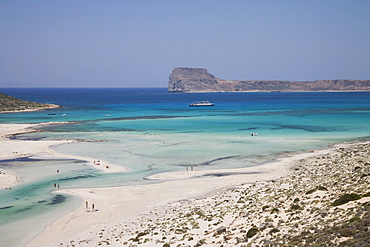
<point>251,232</point>
<point>310,191</point>
<point>275,210</point>
<point>347,231</point>
<point>354,219</point>
<point>295,207</point>
<point>346,198</point>
<point>366,195</point>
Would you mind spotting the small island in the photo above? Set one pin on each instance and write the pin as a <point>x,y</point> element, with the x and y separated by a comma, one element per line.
<point>196,80</point>
<point>12,104</point>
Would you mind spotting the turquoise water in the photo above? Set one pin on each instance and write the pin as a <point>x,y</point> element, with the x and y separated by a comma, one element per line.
<point>151,131</point>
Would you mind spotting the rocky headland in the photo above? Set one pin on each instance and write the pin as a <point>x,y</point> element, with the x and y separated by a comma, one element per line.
<point>12,104</point>
<point>193,80</point>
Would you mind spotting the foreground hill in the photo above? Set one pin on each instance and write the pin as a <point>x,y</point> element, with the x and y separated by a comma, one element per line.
<point>11,104</point>
<point>192,80</point>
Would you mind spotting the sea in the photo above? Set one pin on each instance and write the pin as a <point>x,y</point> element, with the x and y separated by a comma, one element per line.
<point>149,131</point>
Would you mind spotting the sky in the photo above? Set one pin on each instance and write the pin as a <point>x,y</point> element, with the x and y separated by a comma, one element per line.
<point>137,43</point>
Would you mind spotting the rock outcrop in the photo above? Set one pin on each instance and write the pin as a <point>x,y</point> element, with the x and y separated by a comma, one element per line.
<point>192,80</point>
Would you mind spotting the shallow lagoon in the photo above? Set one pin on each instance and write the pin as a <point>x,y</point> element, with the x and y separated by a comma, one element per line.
<point>151,131</point>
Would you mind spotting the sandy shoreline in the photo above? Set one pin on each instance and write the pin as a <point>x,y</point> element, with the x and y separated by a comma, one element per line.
<point>128,202</point>
<point>12,149</point>
<point>119,204</point>
<point>217,200</point>
<point>220,209</point>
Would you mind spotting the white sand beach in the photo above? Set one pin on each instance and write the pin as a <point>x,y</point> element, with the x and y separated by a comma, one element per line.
<point>220,209</point>
<point>154,214</point>
<point>11,149</point>
<point>121,204</point>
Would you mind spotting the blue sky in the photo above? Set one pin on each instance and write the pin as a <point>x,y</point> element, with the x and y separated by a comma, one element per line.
<point>127,43</point>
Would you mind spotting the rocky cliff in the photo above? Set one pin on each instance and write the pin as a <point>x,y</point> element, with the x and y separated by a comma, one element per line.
<point>192,80</point>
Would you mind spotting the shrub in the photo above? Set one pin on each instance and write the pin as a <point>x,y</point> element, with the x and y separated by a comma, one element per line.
<point>366,195</point>
<point>141,234</point>
<point>347,231</point>
<point>315,189</point>
<point>357,168</point>
<point>321,188</point>
<point>251,232</point>
<point>354,219</point>
<point>346,198</point>
<point>295,207</point>
<point>310,191</point>
<point>275,210</point>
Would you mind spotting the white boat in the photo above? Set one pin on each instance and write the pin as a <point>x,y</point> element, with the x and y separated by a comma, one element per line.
<point>202,103</point>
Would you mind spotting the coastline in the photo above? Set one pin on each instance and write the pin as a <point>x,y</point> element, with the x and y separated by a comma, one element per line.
<point>123,212</point>
<point>34,109</point>
<point>12,149</point>
<point>273,91</point>
<point>123,203</point>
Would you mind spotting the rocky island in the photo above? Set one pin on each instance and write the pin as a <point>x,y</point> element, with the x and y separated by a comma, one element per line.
<point>12,104</point>
<point>193,80</point>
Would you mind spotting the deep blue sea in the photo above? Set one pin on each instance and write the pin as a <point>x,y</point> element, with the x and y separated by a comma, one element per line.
<point>149,130</point>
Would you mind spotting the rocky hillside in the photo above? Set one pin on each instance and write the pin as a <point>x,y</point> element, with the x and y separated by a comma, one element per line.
<point>11,104</point>
<point>189,80</point>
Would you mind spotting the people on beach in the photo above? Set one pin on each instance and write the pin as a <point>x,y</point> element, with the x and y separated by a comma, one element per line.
<point>87,204</point>
<point>93,207</point>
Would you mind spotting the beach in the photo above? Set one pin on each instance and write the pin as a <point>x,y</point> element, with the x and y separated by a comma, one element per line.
<point>12,149</point>
<point>203,208</point>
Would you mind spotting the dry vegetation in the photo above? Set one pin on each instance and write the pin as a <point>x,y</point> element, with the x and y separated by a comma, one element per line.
<point>325,201</point>
<point>11,104</point>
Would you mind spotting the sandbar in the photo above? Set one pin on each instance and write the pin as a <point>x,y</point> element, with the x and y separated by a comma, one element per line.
<point>42,149</point>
